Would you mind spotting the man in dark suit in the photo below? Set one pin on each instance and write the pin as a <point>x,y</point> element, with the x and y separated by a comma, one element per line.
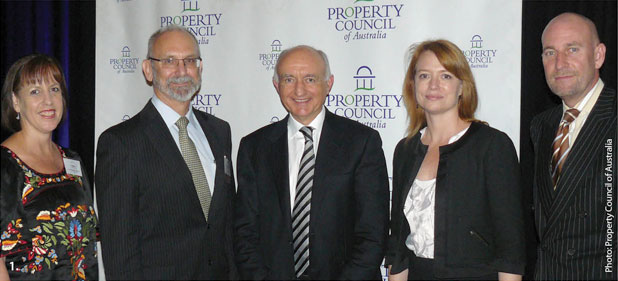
<point>575,146</point>
<point>312,198</point>
<point>164,179</point>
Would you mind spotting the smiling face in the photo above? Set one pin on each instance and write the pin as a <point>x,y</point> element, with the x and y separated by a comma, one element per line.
<point>40,105</point>
<point>572,57</point>
<point>302,86</point>
<point>437,90</point>
<point>174,83</point>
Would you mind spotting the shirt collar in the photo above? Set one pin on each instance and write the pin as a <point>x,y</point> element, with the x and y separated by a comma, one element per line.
<point>169,115</point>
<point>582,103</point>
<point>454,138</point>
<point>317,123</point>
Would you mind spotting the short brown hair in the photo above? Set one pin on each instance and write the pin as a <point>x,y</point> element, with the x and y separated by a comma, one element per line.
<point>28,70</point>
<point>454,61</point>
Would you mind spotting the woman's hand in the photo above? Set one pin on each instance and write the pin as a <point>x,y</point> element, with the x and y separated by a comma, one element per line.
<point>401,276</point>
<point>4,273</point>
<point>503,276</point>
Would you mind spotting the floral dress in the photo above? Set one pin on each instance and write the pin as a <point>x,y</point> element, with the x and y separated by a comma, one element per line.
<point>47,222</point>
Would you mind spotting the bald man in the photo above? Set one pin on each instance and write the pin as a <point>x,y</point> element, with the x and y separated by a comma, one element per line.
<point>575,149</point>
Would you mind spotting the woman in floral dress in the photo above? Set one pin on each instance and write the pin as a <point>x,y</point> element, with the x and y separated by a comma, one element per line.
<point>48,226</point>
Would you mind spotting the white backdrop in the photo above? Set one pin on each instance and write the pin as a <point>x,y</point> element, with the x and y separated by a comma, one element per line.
<point>365,41</point>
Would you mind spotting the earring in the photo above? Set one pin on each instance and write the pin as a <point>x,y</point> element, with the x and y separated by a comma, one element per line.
<point>17,116</point>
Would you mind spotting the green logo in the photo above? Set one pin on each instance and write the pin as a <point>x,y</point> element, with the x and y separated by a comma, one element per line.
<point>364,79</point>
<point>188,5</point>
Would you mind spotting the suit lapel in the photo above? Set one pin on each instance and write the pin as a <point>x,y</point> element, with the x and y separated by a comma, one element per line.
<point>162,142</point>
<point>218,151</point>
<point>278,160</point>
<point>546,188</point>
<point>409,169</point>
<point>328,159</point>
<point>588,143</point>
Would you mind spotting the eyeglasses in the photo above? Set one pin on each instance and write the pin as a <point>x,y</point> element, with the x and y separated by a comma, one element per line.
<point>172,62</point>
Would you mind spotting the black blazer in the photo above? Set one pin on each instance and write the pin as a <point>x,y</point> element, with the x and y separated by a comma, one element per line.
<point>479,228</point>
<point>572,223</point>
<point>152,225</point>
<point>349,204</point>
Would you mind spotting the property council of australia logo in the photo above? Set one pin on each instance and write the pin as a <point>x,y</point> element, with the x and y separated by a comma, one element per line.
<point>365,104</point>
<point>268,60</point>
<point>125,63</point>
<point>477,55</point>
<point>365,22</point>
<point>201,24</point>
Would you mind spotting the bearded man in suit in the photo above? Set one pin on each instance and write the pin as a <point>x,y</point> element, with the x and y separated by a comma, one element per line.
<point>164,180</point>
<point>575,151</point>
<point>313,193</point>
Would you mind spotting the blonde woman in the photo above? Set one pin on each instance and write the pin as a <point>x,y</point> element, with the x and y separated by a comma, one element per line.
<point>456,210</point>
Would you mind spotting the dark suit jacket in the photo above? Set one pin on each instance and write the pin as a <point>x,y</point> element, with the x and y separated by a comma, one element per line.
<point>349,204</point>
<point>152,225</point>
<point>478,225</point>
<point>572,224</point>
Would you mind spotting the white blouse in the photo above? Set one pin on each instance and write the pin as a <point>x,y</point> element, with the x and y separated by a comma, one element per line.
<point>419,209</point>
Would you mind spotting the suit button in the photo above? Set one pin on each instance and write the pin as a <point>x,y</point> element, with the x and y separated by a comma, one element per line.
<point>544,247</point>
<point>571,251</point>
<point>209,262</point>
<point>583,215</point>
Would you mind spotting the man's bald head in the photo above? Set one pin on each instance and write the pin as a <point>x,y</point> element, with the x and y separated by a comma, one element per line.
<point>576,19</point>
<point>572,56</point>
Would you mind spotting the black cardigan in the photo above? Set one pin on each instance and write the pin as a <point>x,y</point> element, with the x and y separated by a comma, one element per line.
<point>479,227</point>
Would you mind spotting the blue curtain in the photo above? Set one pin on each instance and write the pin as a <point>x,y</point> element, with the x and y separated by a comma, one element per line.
<point>37,27</point>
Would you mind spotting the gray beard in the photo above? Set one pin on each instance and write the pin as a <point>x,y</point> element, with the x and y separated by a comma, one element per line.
<point>181,94</point>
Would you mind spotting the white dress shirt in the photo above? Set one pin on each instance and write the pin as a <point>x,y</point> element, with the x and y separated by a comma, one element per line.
<point>296,146</point>
<point>584,106</point>
<point>419,209</point>
<point>196,134</point>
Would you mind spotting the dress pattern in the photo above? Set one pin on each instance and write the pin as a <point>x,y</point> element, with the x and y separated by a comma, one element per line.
<point>52,231</point>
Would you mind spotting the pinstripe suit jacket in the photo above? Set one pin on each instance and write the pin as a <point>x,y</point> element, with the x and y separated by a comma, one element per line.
<point>572,222</point>
<point>152,225</point>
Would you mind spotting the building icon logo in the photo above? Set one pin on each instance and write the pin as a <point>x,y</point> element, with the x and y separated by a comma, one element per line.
<point>476,41</point>
<point>126,52</point>
<point>364,78</point>
<point>275,46</point>
<point>188,5</point>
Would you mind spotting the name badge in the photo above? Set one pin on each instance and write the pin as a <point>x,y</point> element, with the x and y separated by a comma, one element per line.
<point>227,166</point>
<point>72,167</point>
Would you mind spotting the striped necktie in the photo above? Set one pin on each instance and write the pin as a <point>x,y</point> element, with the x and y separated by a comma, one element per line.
<point>560,145</point>
<point>189,153</point>
<point>302,205</point>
